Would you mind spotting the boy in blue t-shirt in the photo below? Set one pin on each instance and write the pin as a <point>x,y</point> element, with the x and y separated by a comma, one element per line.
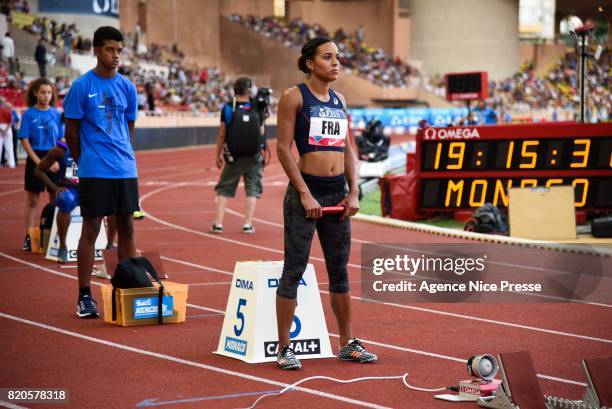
<point>100,111</point>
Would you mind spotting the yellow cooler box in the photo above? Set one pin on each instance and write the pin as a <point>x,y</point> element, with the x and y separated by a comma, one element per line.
<point>138,306</point>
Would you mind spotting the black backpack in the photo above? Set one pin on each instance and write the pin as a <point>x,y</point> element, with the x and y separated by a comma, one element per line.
<point>46,224</point>
<point>132,273</point>
<point>243,124</point>
<point>46,217</point>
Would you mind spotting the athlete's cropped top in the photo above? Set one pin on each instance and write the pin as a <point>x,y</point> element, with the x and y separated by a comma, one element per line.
<point>320,126</point>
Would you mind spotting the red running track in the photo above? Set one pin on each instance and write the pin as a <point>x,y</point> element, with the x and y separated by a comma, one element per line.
<point>43,344</point>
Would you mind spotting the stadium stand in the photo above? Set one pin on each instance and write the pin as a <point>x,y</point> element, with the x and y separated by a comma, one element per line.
<point>166,84</point>
<point>556,91</point>
<point>355,55</point>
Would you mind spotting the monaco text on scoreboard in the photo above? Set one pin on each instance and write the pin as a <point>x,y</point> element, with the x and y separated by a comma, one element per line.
<point>465,167</point>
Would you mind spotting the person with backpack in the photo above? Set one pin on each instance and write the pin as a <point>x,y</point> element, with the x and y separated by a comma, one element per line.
<point>240,142</point>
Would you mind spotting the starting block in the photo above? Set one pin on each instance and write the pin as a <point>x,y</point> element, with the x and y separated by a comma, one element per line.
<point>598,395</point>
<point>520,388</point>
<point>598,374</point>
<point>249,328</point>
<point>72,237</point>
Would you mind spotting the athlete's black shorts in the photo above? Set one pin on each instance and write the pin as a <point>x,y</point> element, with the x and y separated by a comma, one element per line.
<point>105,197</point>
<point>32,183</point>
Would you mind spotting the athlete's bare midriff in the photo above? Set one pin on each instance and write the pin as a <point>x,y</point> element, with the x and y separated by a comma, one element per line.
<point>322,163</point>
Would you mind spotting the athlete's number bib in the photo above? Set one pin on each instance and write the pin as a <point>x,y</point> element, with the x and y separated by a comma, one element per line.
<point>328,126</point>
<point>72,171</point>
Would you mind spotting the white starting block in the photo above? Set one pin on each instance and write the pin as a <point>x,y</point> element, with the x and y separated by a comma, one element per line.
<point>249,329</point>
<point>72,237</point>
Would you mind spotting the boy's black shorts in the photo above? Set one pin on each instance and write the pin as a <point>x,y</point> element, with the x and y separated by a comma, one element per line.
<point>105,197</point>
<point>32,183</point>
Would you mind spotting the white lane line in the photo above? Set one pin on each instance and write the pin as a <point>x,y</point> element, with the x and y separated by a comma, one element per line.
<point>190,363</point>
<point>449,314</point>
<point>10,405</point>
<point>202,184</point>
<point>199,266</point>
<point>408,307</point>
<point>214,236</point>
<point>282,226</point>
<point>71,277</point>
<point>10,192</point>
<point>215,283</point>
<point>496,322</point>
<point>489,321</point>
<point>421,251</point>
<point>452,358</point>
<point>210,235</point>
<point>199,307</point>
<point>156,176</point>
<point>229,282</point>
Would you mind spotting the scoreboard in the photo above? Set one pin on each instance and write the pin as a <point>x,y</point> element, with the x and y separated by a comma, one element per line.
<point>465,167</point>
<point>467,86</point>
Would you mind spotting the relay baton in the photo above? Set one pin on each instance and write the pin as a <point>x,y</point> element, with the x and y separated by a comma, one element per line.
<point>332,209</point>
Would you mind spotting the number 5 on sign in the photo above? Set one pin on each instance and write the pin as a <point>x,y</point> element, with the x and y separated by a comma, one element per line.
<point>240,315</point>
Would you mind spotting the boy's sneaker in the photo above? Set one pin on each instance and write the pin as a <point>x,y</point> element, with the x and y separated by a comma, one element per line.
<point>217,228</point>
<point>286,359</point>
<point>86,307</point>
<point>27,243</point>
<point>354,351</point>
<point>248,229</point>
<point>62,255</point>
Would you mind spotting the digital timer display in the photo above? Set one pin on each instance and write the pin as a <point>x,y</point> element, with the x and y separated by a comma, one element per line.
<point>467,167</point>
<point>566,154</point>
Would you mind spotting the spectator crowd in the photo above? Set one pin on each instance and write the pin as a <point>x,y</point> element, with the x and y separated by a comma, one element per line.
<point>557,90</point>
<point>355,55</point>
<point>165,82</point>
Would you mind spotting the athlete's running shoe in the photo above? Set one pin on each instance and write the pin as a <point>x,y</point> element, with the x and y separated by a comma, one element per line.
<point>286,359</point>
<point>62,255</point>
<point>248,229</point>
<point>86,307</point>
<point>27,243</point>
<point>354,351</point>
<point>217,228</point>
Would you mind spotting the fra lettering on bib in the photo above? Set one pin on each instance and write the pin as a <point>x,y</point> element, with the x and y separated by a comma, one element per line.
<point>328,126</point>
